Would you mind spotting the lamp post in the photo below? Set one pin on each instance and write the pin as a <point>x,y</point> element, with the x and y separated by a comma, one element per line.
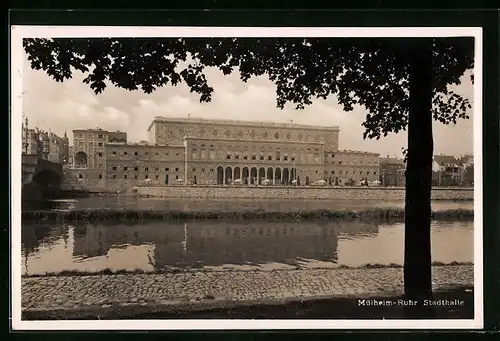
<point>26,138</point>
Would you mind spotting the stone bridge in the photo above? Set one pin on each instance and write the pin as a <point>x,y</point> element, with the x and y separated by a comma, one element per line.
<point>41,178</point>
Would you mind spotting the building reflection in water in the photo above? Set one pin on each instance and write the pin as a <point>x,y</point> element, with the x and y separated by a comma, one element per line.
<point>213,243</point>
<point>36,236</point>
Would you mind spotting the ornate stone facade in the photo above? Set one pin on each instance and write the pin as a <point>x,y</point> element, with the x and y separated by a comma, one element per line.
<point>217,152</point>
<point>165,131</point>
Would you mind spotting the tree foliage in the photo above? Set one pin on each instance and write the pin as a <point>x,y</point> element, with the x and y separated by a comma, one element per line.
<point>372,73</point>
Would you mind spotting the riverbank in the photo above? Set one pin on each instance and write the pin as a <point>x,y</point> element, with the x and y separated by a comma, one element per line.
<point>198,267</point>
<point>373,214</point>
<point>120,296</point>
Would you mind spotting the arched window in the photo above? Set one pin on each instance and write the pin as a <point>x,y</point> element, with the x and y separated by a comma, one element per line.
<point>81,160</point>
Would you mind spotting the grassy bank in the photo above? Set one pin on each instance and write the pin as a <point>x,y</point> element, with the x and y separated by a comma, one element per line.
<point>320,308</point>
<point>197,267</point>
<point>377,214</point>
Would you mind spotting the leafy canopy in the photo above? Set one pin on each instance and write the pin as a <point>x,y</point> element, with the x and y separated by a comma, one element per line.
<point>372,73</point>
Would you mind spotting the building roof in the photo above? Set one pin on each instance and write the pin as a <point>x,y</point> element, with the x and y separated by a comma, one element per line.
<point>466,159</point>
<point>139,145</point>
<point>98,130</point>
<point>240,123</point>
<point>347,151</point>
<point>391,161</point>
<point>446,159</point>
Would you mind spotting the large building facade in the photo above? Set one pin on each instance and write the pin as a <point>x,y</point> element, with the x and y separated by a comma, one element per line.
<point>217,152</point>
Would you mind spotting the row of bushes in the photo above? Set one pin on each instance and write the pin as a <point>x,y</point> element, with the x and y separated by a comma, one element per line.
<point>135,215</point>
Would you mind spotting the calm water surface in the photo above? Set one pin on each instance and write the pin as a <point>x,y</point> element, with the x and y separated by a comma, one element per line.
<point>219,244</point>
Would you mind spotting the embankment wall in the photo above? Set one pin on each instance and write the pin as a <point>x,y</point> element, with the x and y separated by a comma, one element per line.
<point>299,192</point>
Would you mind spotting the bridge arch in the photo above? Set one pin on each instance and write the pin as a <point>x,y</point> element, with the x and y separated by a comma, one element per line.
<point>47,177</point>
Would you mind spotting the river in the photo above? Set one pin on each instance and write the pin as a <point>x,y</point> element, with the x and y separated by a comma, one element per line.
<point>155,246</point>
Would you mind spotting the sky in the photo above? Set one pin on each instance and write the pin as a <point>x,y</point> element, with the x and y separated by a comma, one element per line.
<point>70,105</point>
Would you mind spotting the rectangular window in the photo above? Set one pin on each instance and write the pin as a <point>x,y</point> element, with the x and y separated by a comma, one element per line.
<point>146,176</point>
<point>100,154</point>
<point>177,169</point>
<point>136,153</point>
<point>293,158</point>
<point>114,153</point>
<point>125,168</point>
<point>146,169</point>
<point>194,169</point>
<point>125,176</point>
<point>228,157</point>
<point>269,157</point>
<point>156,177</point>
<point>135,177</point>
<point>237,157</point>
<point>100,176</point>
<point>125,153</point>
<point>254,157</point>
<point>262,157</point>
<point>114,176</point>
<point>136,168</point>
<point>245,157</point>
<point>100,144</point>
<point>100,136</point>
<point>285,158</point>
<point>167,169</point>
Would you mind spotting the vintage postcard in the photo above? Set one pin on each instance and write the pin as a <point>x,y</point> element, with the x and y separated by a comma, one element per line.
<point>246,178</point>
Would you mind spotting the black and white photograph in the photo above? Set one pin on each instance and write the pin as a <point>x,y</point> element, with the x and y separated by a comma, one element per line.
<point>177,178</point>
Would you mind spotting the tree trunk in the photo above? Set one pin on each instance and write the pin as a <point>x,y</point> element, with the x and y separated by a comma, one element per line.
<point>417,265</point>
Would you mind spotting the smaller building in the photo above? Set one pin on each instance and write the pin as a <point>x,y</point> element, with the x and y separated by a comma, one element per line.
<point>392,172</point>
<point>350,168</point>
<point>447,171</point>
<point>45,145</point>
<point>141,164</point>
<point>467,163</point>
<point>89,147</point>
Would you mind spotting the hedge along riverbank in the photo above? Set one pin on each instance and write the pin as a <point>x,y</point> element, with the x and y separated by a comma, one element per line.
<point>138,215</point>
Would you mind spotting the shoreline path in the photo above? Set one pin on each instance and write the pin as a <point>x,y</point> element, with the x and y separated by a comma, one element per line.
<point>72,296</point>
